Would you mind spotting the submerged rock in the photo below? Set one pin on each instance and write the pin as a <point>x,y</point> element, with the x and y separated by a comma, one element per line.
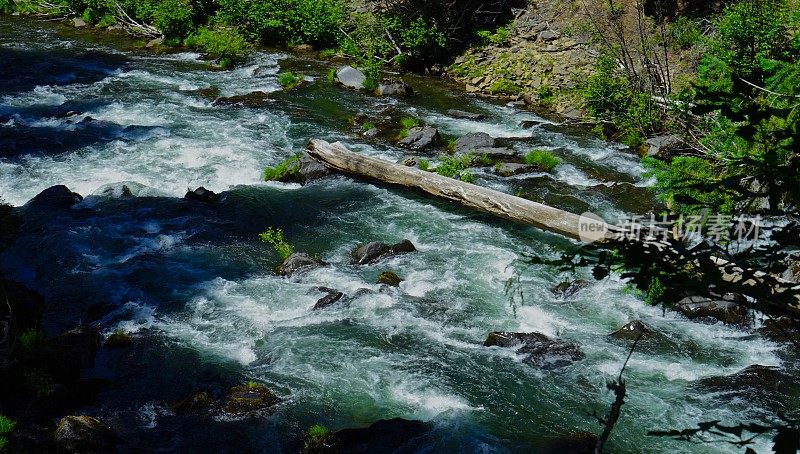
<point>751,377</point>
<point>782,329</point>
<point>507,169</point>
<point>311,169</point>
<point>574,443</point>
<point>54,197</point>
<point>455,113</point>
<point>727,310</point>
<point>253,100</point>
<point>394,88</point>
<point>389,278</point>
<point>249,399</point>
<point>299,261</point>
<point>197,402</point>
<point>539,350</point>
<point>421,138</point>
<point>567,289</point>
<point>82,434</point>
<point>351,77</point>
<point>472,141</point>
<point>331,298</point>
<point>118,339</point>
<point>372,252</point>
<point>210,92</point>
<point>632,331</point>
<point>202,195</point>
<point>388,435</point>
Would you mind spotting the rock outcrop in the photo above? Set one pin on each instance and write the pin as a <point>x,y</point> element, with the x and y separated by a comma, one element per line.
<point>726,309</point>
<point>372,252</point>
<point>84,434</point>
<point>297,262</point>
<point>539,350</point>
<point>421,138</point>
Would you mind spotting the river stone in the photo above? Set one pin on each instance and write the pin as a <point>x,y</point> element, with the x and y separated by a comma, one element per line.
<point>327,300</point>
<point>55,197</point>
<point>250,399</point>
<point>632,331</point>
<point>496,153</point>
<point>350,77</point>
<point>394,88</point>
<point>371,133</point>
<point>202,195</point>
<point>421,138</point>
<point>473,141</point>
<point>77,22</point>
<point>197,402</point>
<point>389,278</point>
<point>567,289</point>
<point>726,310</point>
<point>573,443</point>
<point>254,99</point>
<point>539,350</point>
<point>81,434</point>
<point>372,252</point>
<point>549,35</point>
<point>662,146</point>
<point>507,169</point>
<point>391,435</point>
<point>751,377</point>
<point>311,169</point>
<point>118,339</point>
<point>781,329</point>
<point>210,92</point>
<point>299,261</point>
<point>27,305</point>
<point>460,114</point>
<point>155,42</point>
<point>82,343</point>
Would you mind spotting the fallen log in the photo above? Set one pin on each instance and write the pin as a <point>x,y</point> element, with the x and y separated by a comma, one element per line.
<point>497,203</point>
<point>337,157</point>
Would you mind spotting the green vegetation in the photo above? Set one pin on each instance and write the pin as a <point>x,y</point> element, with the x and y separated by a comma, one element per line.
<point>467,176</point>
<point>454,166</point>
<point>542,159</point>
<point>6,427</point>
<point>289,80</point>
<point>274,237</point>
<point>30,340</point>
<point>504,86</point>
<point>226,44</point>
<point>315,437</point>
<point>685,33</point>
<point>424,164</point>
<point>285,170</point>
<point>406,123</point>
<point>497,38</point>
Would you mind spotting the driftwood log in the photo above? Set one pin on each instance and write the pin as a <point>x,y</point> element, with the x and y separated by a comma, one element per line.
<point>337,157</point>
<point>497,203</point>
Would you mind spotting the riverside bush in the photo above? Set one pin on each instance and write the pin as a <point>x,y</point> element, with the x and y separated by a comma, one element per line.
<point>274,237</point>
<point>6,427</point>
<point>289,80</point>
<point>542,159</point>
<point>287,167</point>
<point>226,44</point>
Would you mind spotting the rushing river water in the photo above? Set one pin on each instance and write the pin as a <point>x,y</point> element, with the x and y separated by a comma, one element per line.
<point>194,286</point>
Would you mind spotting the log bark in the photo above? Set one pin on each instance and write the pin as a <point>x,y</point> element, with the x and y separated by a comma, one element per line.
<point>497,203</point>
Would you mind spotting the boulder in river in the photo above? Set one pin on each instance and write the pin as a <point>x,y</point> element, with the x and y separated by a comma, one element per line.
<point>755,377</point>
<point>781,329</point>
<point>388,435</point>
<point>299,261</point>
<point>632,330</point>
<point>249,399</point>
<point>81,343</point>
<point>567,289</point>
<point>197,402</point>
<point>727,309</point>
<point>55,197</point>
<point>472,141</point>
<point>27,306</point>
<point>460,114</point>
<point>663,147</point>
<point>202,195</point>
<point>311,169</point>
<point>372,252</point>
<point>573,443</point>
<point>253,99</point>
<point>421,138</point>
<point>394,88</point>
<point>389,278</point>
<point>539,350</point>
<point>80,434</point>
<point>507,169</point>
<point>351,77</point>
<point>331,298</point>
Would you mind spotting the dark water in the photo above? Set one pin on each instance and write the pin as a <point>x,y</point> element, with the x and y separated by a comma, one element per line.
<point>193,286</point>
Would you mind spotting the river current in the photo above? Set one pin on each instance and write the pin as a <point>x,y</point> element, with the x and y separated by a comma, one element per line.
<point>194,287</point>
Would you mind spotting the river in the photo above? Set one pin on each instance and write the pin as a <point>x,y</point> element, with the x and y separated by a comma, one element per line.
<point>194,287</point>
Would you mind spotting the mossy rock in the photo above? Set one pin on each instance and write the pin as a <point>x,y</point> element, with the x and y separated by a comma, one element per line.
<point>197,402</point>
<point>119,339</point>
<point>84,434</point>
<point>389,278</point>
<point>249,399</point>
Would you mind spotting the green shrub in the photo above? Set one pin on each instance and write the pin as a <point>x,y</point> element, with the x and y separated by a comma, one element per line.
<point>328,53</point>
<point>452,166</point>
<point>227,44</point>
<point>289,80</point>
<point>174,18</point>
<point>545,95</point>
<point>332,75</point>
<point>505,87</point>
<point>689,181</point>
<point>499,37</point>
<point>467,176</point>
<point>315,437</point>
<point>288,167</point>
<point>424,165</point>
<point>684,33</point>
<point>7,425</point>
<point>406,123</point>
<point>367,126</point>
<point>30,340</point>
<point>542,159</point>
<point>274,237</point>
